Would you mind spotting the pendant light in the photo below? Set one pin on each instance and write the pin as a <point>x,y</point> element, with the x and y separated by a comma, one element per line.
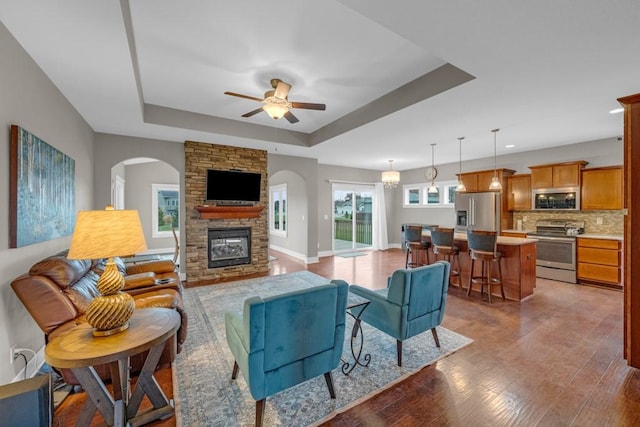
<point>495,182</point>
<point>460,187</point>
<point>390,178</point>
<point>432,188</point>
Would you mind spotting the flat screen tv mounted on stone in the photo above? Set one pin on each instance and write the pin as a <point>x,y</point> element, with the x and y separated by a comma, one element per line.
<point>234,188</point>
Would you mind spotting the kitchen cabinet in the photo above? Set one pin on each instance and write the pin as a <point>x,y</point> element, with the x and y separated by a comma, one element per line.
<point>602,188</point>
<point>518,192</point>
<point>557,175</point>
<point>599,261</point>
<point>480,180</point>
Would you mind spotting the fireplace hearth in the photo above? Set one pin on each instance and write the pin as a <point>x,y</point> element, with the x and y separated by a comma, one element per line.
<point>229,246</point>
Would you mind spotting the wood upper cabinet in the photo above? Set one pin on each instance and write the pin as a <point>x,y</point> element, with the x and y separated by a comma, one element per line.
<point>602,188</point>
<point>557,175</point>
<point>480,180</point>
<point>518,192</point>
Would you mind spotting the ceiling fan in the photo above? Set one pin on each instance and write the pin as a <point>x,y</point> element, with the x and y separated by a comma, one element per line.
<point>276,103</point>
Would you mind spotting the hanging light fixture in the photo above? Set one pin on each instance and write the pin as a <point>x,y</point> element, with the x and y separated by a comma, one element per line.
<point>495,182</point>
<point>460,188</point>
<point>432,188</point>
<point>390,178</point>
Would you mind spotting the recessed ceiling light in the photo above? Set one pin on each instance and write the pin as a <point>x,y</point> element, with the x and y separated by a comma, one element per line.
<point>509,146</point>
<point>616,111</point>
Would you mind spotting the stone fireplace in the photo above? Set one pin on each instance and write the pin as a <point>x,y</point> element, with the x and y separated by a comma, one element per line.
<point>229,246</point>
<point>211,258</point>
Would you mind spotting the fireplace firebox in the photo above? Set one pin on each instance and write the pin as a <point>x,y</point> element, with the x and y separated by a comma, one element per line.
<point>229,246</point>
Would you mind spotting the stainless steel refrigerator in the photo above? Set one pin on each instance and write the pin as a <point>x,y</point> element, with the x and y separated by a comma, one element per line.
<point>477,211</point>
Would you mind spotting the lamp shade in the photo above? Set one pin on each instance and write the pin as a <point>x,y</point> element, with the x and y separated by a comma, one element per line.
<point>275,111</point>
<point>107,233</point>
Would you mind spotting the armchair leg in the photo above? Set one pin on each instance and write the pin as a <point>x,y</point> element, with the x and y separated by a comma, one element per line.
<point>234,374</point>
<point>435,336</point>
<point>399,350</point>
<point>260,411</point>
<point>329,380</point>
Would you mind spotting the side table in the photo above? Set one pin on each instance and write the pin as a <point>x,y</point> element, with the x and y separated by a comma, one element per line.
<point>77,349</point>
<point>356,305</point>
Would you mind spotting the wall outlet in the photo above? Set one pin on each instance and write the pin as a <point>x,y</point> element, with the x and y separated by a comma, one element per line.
<point>12,354</point>
<point>599,220</point>
<point>525,218</point>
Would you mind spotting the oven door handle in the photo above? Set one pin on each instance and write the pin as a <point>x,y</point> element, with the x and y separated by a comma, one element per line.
<point>558,239</point>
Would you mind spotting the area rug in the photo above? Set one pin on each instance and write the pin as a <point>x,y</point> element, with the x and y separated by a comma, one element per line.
<point>351,254</point>
<point>206,396</point>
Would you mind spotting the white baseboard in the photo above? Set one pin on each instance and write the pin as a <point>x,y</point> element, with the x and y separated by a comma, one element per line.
<point>33,364</point>
<point>297,255</point>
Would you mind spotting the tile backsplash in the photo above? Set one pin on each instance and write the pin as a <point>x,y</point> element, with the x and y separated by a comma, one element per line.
<point>596,222</point>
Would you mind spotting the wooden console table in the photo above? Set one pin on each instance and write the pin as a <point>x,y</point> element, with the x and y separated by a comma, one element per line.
<point>77,349</point>
<point>229,212</point>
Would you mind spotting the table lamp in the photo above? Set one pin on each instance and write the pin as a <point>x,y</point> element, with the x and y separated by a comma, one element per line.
<point>106,234</point>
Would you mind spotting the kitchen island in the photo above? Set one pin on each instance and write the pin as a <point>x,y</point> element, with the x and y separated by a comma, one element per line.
<point>518,265</point>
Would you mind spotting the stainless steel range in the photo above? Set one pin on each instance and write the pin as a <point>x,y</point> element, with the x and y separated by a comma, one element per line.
<point>556,248</point>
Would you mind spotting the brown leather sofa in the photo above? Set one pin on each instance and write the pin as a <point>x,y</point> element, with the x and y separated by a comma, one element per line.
<point>57,291</point>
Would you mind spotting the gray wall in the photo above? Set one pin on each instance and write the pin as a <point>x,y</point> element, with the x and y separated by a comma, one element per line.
<point>295,242</point>
<point>114,149</point>
<point>138,196</point>
<point>30,100</point>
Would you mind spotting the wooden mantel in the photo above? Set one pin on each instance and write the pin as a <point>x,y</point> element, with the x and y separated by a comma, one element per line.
<point>229,212</point>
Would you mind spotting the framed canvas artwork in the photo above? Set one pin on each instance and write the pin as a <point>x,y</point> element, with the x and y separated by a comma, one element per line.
<point>41,190</point>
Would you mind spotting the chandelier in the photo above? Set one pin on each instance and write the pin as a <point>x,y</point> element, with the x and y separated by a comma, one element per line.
<point>390,178</point>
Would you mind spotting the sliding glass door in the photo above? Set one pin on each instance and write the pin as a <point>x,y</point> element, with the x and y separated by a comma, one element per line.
<point>352,217</point>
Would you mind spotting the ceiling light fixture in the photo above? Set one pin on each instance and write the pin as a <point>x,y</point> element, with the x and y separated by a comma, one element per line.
<point>390,178</point>
<point>274,110</point>
<point>432,188</point>
<point>460,187</point>
<point>495,182</point>
<point>616,111</point>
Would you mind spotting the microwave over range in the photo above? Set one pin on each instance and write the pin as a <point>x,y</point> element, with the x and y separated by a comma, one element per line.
<point>566,198</point>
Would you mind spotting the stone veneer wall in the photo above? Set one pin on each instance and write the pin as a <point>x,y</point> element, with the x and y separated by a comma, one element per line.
<point>612,221</point>
<point>198,158</point>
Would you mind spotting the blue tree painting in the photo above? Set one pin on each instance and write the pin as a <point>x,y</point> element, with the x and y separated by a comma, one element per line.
<point>42,190</point>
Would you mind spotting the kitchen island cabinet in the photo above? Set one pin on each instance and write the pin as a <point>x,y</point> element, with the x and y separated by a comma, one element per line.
<point>518,265</point>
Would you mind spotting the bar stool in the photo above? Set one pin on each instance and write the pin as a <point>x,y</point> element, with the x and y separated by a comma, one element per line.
<point>414,245</point>
<point>483,247</point>
<point>442,244</point>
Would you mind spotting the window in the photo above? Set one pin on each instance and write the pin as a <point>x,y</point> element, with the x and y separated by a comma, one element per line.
<point>417,195</point>
<point>165,208</point>
<point>278,209</point>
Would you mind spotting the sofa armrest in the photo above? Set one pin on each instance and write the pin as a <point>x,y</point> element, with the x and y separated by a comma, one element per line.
<point>140,280</point>
<point>161,266</point>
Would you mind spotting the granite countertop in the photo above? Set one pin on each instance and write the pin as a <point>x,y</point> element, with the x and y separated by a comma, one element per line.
<point>602,236</point>
<point>513,230</point>
<point>502,240</point>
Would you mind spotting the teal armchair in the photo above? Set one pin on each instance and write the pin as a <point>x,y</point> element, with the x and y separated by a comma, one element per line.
<point>286,339</point>
<point>412,303</point>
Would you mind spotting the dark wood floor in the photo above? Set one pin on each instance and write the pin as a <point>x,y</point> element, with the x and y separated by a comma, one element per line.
<point>554,359</point>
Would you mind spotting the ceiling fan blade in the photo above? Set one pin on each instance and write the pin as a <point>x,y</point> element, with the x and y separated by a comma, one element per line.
<point>252,113</point>
<point>243,96</point>
<point>289,116</point>
<point>282,90</point>
<point>308,106</point>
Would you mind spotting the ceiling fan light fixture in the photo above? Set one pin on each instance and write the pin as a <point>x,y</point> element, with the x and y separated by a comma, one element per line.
<point>275,111</point>
<point>432,188</point>
<point>390,178</point>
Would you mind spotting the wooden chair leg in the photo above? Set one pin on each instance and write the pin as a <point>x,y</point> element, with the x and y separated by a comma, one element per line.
<point>406,261</point>
<point>234,374</point>
<point>399,350</point>
<point>435,336</point>
<point>260,411</point>
<point>329,380</point>
<point>500,278</point>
